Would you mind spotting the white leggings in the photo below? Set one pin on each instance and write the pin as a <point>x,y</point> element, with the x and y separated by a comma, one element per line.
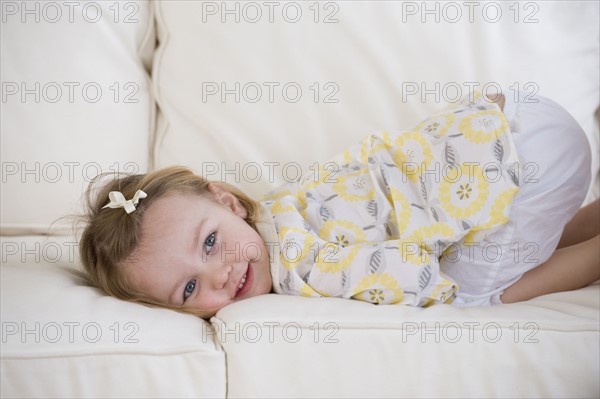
<point>554,156</point>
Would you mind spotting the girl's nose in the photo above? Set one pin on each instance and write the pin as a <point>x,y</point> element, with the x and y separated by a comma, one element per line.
<point>220,275</point>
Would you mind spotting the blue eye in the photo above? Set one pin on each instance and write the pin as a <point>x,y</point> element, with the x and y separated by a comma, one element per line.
<point>209,242</point>
<point>189,288</point>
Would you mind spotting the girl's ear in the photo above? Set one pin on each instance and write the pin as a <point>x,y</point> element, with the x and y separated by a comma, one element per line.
<point>227,199</point>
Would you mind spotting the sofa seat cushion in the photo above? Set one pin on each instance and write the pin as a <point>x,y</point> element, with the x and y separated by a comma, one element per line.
<point>63,338</point>
<point>286,346</point>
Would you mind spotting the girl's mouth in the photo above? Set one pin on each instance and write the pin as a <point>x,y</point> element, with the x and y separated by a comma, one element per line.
<point>245,283</point>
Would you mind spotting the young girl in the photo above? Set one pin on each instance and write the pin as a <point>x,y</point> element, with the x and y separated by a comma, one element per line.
<point>465,208</point>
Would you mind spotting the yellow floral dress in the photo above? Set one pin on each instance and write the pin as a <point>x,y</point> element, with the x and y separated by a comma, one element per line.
<point>372,223</point>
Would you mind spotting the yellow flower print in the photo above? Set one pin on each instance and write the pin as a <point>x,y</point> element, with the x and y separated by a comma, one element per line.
<point>297,244</point>
<point>370,145</point>
<point>341,240</point>
<point>278,208</point>
<point>376,295</point>
<point>345,158</point>
<point>427,236</point>
<point>387,140</point>
<point>444,291</point>
<point>436,125</point>
<point>484,126</point>
<point>274,195</point>
<point>469,98</point>
<point>352,231</point>
<point>355,186</point>
<point>432,127</point>
<point>325,173</point>
<point>331,260</point>
<point>402,209</point>
<point>374,287</point>
<point>413,154</point>
<point>309,291</point>
<point>463,191</point>
<point>497,213</point>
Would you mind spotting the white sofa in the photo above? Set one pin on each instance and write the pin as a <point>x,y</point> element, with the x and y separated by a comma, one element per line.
<point>92,87</point>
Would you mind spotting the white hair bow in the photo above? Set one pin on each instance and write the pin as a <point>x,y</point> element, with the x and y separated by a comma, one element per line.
<point>117,200</point>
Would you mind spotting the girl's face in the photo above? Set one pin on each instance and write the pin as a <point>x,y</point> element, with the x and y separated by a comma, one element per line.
<point>199,253</point>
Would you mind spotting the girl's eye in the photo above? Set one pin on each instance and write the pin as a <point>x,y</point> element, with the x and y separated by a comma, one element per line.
<point>189,288</point>
<point>209,242</point>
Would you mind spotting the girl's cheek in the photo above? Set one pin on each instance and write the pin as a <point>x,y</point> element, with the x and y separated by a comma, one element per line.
<point>253,250</point>
<point>213,302</point>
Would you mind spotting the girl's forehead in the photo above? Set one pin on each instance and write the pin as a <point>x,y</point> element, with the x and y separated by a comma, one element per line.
<point>179,204</point>
<point>182,197</point>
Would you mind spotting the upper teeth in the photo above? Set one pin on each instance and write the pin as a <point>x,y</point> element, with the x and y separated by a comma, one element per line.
<point>242,282</point>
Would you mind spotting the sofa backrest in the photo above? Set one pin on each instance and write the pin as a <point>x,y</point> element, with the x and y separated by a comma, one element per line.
<point>75,103</point>
<point>251,92</point>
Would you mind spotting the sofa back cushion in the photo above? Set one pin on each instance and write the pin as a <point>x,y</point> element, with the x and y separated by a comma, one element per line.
<point>75,103</point>
<point>251,92</point>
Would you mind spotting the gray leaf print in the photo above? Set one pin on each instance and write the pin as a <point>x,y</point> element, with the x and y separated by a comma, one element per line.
<point>435,214</point>
<point>306,277</point>
<point>344,279</point>
<point>423,188</point>
<point>513,176</point>
<point>287,281</point>
<point>306,225</point>
<point>424,277</point>
<point>439,213</point>
<point>372,208</point>
<point>498,150</point>
<point>375,261</point>
<point>325,212</point>
<point>441,246</point>
<point>451,155</point>
<point>388,230</point>
<point>384,177</point>
<point>465,225</point>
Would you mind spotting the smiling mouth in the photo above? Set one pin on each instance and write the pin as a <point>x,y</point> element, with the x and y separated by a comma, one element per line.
<point>245,283</point>
<point>242,282</point>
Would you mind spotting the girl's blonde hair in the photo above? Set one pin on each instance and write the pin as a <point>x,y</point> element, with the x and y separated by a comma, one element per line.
<point>111,235</point>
